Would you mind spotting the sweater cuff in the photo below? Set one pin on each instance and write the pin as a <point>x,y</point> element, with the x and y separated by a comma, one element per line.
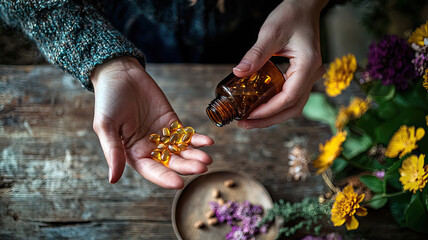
<point>108,45</point>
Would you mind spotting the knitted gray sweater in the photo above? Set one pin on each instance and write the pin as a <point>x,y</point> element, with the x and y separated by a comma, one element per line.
<point>73,35</point>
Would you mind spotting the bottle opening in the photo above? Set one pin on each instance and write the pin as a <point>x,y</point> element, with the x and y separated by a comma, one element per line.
<point>221,111</point>
<point>214,117</point>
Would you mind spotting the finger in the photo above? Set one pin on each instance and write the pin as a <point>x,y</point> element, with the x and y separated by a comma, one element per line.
<point>199,140</point>
<point>112,146</point>
<point>186,166</point>
<point>297,83</point>
<point>257,56</point>
<point>196,154</point>
<point>157,173</point>
<point>284,115</point>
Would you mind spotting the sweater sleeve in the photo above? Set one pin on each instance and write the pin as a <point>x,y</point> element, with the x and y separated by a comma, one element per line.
<point>72,35</point>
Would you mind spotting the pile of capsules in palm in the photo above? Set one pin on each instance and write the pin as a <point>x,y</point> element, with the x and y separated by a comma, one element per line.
<point>173,140</point>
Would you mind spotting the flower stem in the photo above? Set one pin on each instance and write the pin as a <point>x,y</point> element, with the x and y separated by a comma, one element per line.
<point>389,195</point>
<point>386,195</point>
<point>384,185</point>
<point>329,183</point>
<point>357,165</point>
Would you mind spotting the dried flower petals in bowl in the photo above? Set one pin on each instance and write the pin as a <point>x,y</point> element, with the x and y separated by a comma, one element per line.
<point>244,219</point>
<point>193,203</point>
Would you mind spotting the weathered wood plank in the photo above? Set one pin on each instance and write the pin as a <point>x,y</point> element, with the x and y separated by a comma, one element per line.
<point>90,230</point>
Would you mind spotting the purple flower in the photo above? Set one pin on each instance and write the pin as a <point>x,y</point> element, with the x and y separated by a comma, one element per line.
<point>379,174</point>
<point>224,213</point>
<point>330,236</point>
<point>420,61</point>
<point>235,233</point>
<point>390,60</point>
<point>333,236</point>
<point>309,237</point>
<point>243,218</point>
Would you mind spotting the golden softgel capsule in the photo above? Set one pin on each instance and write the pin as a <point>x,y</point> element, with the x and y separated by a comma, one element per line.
<point>173,140</point>
<point>154,138</point>
<point>166,132</point>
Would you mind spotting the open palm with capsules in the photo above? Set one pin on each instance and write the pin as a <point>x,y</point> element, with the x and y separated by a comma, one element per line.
<point>129,107</point>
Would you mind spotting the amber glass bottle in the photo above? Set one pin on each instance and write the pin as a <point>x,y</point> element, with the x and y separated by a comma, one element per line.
<point>237,97</point>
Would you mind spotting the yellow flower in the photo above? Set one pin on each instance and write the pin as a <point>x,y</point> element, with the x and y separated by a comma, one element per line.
<point>342,118</point>
<point>404,141</point>
<point>355,110</point>
<point>419,34</point>
<point>346,206</point>
<point>425,84</point>
<point>426,119</point>
<point>339,74</point>
<point>329,152</point>
<point>358,107</point>
<point>413,174</point>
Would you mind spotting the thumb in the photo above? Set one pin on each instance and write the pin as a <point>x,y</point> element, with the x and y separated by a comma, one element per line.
<point>112,146</point>
<point>254,59</point>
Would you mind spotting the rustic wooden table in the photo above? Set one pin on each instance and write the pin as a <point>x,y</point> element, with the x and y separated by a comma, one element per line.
<point>53,176</point>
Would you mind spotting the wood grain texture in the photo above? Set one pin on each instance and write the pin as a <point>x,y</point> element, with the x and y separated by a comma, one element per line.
<point>53,176</point>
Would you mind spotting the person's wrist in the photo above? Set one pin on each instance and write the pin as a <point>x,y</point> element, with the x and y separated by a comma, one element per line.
<point>125,65</point>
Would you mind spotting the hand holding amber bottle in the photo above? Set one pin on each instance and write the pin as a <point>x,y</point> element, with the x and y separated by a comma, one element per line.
<point>292,31</point>
<point>237,97</point>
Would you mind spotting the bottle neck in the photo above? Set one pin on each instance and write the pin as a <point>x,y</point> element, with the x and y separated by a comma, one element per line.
<point>222,111</point>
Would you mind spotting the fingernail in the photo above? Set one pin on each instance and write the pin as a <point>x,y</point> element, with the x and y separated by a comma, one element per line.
<point>109,175</point>
<point>243,66</point>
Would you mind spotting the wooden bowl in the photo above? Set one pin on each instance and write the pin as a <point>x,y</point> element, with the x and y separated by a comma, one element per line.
<point>192,203</point>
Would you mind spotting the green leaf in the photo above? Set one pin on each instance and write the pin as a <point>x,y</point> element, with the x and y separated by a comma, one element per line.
<point>319,109</point>
<point>416,214</point>
<point>338,165</point>
<point>387,110</point>
<point>364,162</point>
<point>372,182</point>
<point>425,196</point>
<point>381,93</point>
<point>378,201</point>
<point>369,121</point>
<point>355,145</point>
<point>392,175</point>
<point>412,97</point>
<point>423,143</point>
<point>408,116</point>
<point>384,132</point>
<point>393,169</point>
<point>394,181</point>
<point>398,206</point>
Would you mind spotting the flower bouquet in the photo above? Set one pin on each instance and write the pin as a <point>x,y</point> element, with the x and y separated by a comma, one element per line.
<point>376,156</point>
